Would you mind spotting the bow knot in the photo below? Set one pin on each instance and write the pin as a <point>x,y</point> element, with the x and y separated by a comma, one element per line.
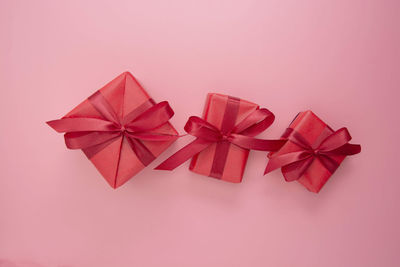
<point>226,137</point>
<point>316,152</point>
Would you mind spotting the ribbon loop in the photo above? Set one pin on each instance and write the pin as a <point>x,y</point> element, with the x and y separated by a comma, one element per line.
<point>255,123</point>
<point>336,140</point>
<point>202,129</point>
<point>152,118</point>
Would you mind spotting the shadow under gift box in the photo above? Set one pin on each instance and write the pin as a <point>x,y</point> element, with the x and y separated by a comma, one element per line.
<point>116,160</point>
<point>314,130</point>
<point>207,161</point>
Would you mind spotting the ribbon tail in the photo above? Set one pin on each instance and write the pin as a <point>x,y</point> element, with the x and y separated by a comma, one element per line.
<point>277,162</point>
<point>184,154</point>
<point>347,149</point>
<point>82,140</point>
<point>295,170</point>
<point>255,143</point>
<point>81,125</point>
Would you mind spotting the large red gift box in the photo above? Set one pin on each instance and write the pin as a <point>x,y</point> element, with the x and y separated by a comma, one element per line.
<point>116,159</point>
<point>314,132</point>
<point>234,157</point>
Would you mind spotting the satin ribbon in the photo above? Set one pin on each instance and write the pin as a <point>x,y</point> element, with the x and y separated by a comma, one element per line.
<point>298,162</point>
<point>240,135</point>
<point>93,134</point>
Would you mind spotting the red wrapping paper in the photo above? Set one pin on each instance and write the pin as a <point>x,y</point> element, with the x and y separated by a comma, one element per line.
<point>314,130</point>
<point>116,161</point>
<point>236,157</point>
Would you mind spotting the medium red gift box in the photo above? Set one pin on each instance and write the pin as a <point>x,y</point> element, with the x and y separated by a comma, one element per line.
<point>313,151</point>
<point>224,137</point>
<point>119,128</point>
<point>235,157</point>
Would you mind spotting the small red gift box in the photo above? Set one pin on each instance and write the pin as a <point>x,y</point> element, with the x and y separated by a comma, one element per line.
<point>313,151</point>
<point>224,136</point>
<point>119,128</point>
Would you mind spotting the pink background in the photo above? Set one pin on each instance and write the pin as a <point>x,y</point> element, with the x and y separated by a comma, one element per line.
<point>338,58</point>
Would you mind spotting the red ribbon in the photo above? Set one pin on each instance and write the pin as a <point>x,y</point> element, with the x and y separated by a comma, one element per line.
<point>240,135</point>
<point>93,134</point>
<point>298,162</point>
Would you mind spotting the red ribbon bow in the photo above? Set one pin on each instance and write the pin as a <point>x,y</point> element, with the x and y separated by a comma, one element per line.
<point>298,162</point>
<point>240,135</point>
<point>93,134</point>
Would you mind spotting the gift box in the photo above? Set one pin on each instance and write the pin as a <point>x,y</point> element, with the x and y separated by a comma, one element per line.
<point>207,161</point>
<point>313,151</point>
<point>119,128</point>
<point>225,134</point>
